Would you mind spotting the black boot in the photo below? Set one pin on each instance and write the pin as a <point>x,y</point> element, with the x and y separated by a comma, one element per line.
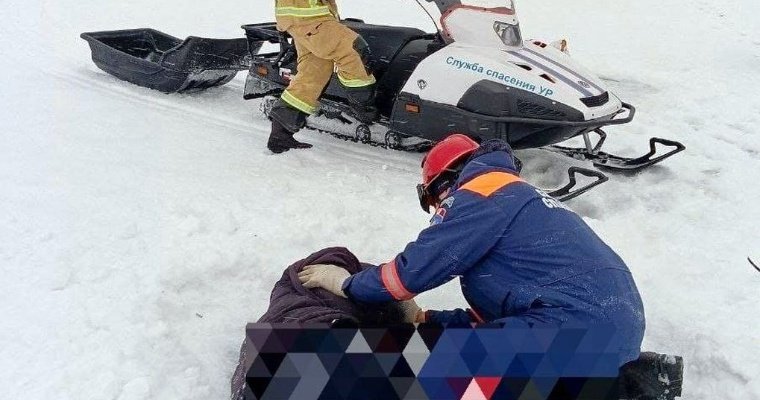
<point>362,101</point>
<point>652,377</point>
<point>290,118</point>
<point>286,121</point>
<point>281,140</point>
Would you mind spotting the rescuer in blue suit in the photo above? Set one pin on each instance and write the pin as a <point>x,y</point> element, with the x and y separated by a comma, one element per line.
<point>522,256</point>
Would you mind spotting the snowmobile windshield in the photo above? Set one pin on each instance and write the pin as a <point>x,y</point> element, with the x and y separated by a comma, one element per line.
<point>510,34</point>
<point>488,3</point>
<point>483,23</point>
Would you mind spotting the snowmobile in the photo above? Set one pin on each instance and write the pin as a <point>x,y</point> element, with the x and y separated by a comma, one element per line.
<point>475,75</point>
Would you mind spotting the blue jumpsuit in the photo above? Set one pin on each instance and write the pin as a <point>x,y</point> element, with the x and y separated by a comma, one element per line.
<point>521,256</point>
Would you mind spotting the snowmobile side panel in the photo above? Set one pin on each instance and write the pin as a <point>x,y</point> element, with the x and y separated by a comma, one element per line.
<point>401,68</point>
<point>153,59</point>
<point>413,116</point>
<point>498,100</point>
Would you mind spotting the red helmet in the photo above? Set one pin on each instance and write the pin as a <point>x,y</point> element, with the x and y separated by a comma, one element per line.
<point>441,158</point>
<point>445,154</point>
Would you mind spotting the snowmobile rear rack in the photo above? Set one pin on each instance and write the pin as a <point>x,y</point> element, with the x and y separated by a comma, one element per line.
<point>266,32</point>
<point>153,59</point>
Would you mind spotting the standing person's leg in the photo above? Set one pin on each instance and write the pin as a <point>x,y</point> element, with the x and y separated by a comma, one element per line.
<point>334,41</point>
<point>301,97</point>
<point>312,77</point>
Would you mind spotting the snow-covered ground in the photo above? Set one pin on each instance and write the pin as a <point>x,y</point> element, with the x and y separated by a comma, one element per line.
<point>139,232</point>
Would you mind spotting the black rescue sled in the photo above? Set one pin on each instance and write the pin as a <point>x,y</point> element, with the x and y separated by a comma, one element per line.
<point>153,59</point>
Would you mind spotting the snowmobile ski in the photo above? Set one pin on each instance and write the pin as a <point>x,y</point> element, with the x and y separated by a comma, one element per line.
<point>602,159</point>
<point>568,192</point>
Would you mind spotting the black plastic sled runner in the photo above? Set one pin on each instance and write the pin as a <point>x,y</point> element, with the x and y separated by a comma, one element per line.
<point>153,59</point>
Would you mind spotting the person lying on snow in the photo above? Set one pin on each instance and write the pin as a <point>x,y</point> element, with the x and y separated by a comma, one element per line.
<point>292,302</point>
<point>522,256</point>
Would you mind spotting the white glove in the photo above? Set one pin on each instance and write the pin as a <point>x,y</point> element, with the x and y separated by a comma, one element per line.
<point>412,312</point>
<point>328,277</point>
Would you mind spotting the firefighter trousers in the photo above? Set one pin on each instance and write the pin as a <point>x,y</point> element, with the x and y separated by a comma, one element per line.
<point>323,47</point>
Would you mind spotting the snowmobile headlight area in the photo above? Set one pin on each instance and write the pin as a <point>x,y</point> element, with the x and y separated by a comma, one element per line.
<point>509,34</point>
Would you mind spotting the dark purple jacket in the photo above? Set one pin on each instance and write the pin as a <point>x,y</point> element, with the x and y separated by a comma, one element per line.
<point>291,302</point>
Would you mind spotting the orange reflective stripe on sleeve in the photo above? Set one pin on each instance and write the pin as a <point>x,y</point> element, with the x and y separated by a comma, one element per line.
<point>475,316</point>
<point>392,282</point>
<point>488,184</point>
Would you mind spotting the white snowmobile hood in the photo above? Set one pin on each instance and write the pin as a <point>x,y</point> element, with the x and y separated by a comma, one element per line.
<point>535,67</point>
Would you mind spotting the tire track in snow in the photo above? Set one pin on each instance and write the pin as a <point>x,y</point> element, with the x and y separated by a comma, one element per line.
<point>406,162</point>
<point>85,77</point>
<point>552,174</point>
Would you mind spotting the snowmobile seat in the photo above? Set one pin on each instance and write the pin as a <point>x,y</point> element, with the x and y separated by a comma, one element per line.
<point>384,41</point>
<point>153,59</point>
